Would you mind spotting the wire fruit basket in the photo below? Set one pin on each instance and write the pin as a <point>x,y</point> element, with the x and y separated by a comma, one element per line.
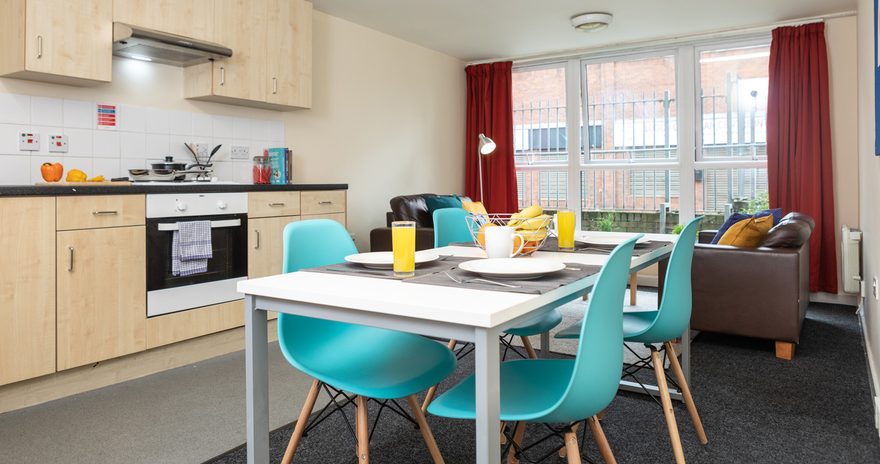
<point>534,230</point>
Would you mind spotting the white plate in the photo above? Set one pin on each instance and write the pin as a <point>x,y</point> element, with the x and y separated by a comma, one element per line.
<point>512,268</point>
<point>610,240</point>
<point>385,259</point>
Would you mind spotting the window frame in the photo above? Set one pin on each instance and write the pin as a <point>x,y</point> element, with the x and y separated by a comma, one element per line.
<point>686,55</point>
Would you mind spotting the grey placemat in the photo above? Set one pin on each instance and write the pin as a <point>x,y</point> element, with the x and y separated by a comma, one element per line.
<point>571,273</point>
<point>552,244</point>
<point>445,263</point>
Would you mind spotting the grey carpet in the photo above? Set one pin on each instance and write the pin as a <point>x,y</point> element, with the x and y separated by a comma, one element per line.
<point>755,408</point>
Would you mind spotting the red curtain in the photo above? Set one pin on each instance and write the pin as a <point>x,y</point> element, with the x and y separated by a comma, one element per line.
<point>799,141</point>
<point>490,112</point>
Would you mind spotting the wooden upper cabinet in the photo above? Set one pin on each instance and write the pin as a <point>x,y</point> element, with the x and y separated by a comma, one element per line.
<point>189,18</point>
<point>271,63</point>
<point>241,25</point>
<point>27,277</point>
<point>60,41</point>
<point>290,53</point>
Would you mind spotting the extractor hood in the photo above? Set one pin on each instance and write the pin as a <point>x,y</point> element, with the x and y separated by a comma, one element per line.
<point>161,47</point>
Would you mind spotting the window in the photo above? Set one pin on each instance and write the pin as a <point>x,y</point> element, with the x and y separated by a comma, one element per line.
<point>652,150</point>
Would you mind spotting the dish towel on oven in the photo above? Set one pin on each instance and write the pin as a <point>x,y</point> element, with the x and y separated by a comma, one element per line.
<point>191,248</point>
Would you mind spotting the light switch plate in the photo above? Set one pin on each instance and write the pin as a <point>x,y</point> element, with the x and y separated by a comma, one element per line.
<point>29,141</point>
<point>57,144</point>
<point>240,152</point>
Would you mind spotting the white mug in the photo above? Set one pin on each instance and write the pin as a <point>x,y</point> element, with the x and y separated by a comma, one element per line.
<point>499,242</point>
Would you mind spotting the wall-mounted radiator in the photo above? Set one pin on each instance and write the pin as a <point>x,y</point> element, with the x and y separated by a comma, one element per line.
<point>850,258</point>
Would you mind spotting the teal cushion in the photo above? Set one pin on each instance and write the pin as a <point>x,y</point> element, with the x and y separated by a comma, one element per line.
<point>442,201</point>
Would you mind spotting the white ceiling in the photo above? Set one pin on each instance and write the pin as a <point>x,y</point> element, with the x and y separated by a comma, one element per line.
<point>485,29</point>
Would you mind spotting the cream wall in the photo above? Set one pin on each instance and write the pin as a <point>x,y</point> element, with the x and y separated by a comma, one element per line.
<point>840,36</point>
<point>387,118</point>
<point>869,187</point>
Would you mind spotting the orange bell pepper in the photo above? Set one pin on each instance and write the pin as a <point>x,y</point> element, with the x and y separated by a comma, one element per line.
<point>51,172</point>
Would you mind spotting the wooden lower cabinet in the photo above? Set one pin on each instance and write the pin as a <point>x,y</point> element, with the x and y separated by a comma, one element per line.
<point>101,301</point>
<point>266,245</point>
<point>27,281</point>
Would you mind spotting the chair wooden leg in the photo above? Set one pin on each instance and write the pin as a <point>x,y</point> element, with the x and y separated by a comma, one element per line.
<point>633,288</point>
<point>363,432</point>
<point>429,396</point>
<point>426,430</point>
<point>529,349</point>
<point>686,393</point>
<point>302,422</point>
<point>666,402</point>
<point>601,441</point>
<point>518,432</point>
<point>503,437</point>
<point>572,450</point>
<point>785,350</point>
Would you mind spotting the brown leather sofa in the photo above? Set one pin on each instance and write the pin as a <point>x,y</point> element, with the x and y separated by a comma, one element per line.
<point>407,208</point>
<point>755,292</point>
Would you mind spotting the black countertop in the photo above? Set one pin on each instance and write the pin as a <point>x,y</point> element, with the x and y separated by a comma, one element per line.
<point>135,188</point>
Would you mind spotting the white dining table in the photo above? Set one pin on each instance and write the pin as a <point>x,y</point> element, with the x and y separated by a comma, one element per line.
<point>467,315</point>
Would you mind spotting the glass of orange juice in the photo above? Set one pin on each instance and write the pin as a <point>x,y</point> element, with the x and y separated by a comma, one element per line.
<point>565,222</point>
<point>403,244</point>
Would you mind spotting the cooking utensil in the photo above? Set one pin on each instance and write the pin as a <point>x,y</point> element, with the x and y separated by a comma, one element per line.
<point>194,150</point>
<point>169,164</point>
<point>485,281</point>
<point>213,152</point>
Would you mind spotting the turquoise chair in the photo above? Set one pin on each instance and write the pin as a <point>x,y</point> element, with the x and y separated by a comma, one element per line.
<point>566,391</point>
<point>663,326</point>
<point>367,362</point>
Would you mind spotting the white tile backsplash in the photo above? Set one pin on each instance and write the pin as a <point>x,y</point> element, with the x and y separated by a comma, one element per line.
<point>180,122</point>
<point>131,118</point>
<point>16,170</point>
<point>156,121</point>
<point>15,109</point>
<point>47,111</point>
<point>79,142</point>
<point>79,114</point>
<point>132,144</point>
<point>202,125</point>
<point>105,144</point>
<point>143,134</point>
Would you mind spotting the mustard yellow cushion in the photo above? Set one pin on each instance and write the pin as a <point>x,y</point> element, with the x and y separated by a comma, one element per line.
<point>474,207</point>
<point>748,233</point>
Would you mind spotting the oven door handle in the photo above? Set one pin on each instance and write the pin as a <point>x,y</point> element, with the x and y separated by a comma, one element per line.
<point>171,226</point>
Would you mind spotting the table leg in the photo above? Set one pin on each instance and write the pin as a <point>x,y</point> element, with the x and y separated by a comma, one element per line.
<point>257,380</point>
<point>545,344</point>
<point>488,405</point>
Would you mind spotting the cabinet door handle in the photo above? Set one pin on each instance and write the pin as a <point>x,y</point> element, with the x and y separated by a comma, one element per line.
<point>325,202</point>
<point>274,85</point>
<point>257,234</point>
<point>70,259</point>
<point>277,204</point>
<point>222,75</point>
<point>39,47</point>
<point>105,213</point>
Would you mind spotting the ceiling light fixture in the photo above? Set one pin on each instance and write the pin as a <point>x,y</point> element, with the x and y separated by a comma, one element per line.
<point>591,22</point>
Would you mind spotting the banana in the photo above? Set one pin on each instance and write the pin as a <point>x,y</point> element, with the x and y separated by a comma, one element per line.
<point>526,213</point>
<point>536,222</point>
<point>533,235</point>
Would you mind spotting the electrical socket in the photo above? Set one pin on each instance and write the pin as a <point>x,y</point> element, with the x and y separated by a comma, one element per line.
<point>29,141</point>
<point>57,144</point>
<point>240,152</point>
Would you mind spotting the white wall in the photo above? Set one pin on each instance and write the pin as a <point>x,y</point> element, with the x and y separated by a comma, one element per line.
<point>388,118</point>
<point>869,187</point>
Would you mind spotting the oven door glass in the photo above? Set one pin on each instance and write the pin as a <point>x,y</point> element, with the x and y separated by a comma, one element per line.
<point>229,244</point>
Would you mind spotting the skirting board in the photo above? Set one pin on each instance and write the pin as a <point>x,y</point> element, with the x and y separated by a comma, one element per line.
<point>840,298</point>
<point>82,379</point>
<point>872,370</point>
